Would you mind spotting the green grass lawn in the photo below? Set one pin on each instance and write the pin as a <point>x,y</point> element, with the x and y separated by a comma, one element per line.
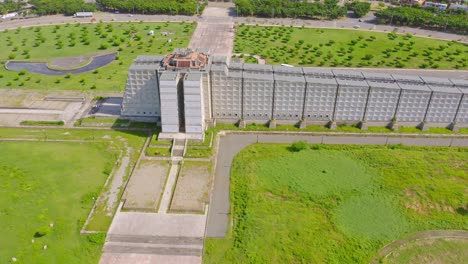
<point>26,44</point>
<point>338,204</point>
<point>43,183</point>
<point>129,142</point>
<point>348,48</point>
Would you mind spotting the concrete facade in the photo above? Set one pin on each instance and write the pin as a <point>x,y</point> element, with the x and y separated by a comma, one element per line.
<point>226,91</point>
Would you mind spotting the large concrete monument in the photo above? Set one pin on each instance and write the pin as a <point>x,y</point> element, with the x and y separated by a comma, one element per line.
<point>188,90</point>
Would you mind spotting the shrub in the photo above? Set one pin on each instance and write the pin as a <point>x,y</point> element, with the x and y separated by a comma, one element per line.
<point>68,76</point>
<point>299,146</point>
<point>22,72</point>
<point>12,56</point>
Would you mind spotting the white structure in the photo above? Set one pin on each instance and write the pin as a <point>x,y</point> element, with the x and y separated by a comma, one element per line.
<point>189,90</point>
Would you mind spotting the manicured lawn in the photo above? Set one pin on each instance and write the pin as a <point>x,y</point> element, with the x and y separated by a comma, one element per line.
<point>43,183</point>
<point>348,48</point>
<point>338,204</point>
<point>87,39</point>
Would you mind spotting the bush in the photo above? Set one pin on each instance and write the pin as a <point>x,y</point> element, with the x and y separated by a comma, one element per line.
<point>299,146</point>
<point>12,56</point>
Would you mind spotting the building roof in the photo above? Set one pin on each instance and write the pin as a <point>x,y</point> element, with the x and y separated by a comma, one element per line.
<point>378,76</point>
<point>218,67</point>
<point>236,65</point>
<point>344,82</point>
<point>437,81</point>
<point>459,82</point>
<point>258,76</point>
<point>318,72</point>
<point>407,78</point>
<point>136,67</point>
<point>147,59</point>
<point>415,87</point>
<point>386,85</point>
<point>168,76</point>
<point>348,74</point>
<point>289,78</point>
<point>235,74</point>
<point>444,89</point>
<point>314,80</point>
<point>257,67</point>
<point>279,68</point>
<point>193,76</point>
<point>219,59</point>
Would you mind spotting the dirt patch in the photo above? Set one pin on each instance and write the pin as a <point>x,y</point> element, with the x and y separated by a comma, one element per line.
<point>416,201</point>
<point>192,187</point>
<point>146,184</point>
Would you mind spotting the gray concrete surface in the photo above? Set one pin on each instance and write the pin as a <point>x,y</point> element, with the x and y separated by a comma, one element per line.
<point>167,194</point>
<point>215,31</point>
<point>231,144</point>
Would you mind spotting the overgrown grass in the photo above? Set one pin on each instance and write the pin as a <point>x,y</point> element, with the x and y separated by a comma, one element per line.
<point>447,251</point>
<point>338,204</point>
<point>50,183</point>
<point>43,44</point>
<point>348,48</point>
<point>158,152</point>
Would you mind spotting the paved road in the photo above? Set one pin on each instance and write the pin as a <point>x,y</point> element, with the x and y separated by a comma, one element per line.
<point>348,22</point>
<point>41,67</point>
<point>231,144</point>
<point>215,31</point>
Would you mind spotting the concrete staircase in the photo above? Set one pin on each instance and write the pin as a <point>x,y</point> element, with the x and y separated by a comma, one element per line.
<point>154,245</point>
<point>178,148</point>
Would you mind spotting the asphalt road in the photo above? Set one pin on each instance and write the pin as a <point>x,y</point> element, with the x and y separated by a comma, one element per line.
<point>41,67</point>
<point>231,144</point>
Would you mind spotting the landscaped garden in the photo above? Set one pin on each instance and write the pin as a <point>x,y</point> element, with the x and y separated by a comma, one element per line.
<point>338,204</point>
<point>348,48</point>
<point>47,191</point>
<point>69,40</point>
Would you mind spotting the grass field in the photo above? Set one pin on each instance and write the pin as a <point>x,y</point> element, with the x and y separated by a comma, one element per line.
<point>348,48</point>
<point>127,143</point>
<point>447,251</point>
<point>49,42</point>
<point>44,183</point>
<point>338,204</point>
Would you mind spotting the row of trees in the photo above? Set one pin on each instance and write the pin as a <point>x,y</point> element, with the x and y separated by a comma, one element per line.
<point>173,7</point>
<point>9,5</point>
<point>286,8</point>
<point>67,7</point>
<point>415,17</point>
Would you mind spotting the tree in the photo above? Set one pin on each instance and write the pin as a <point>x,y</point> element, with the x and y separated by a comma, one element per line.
<point>359,9</point>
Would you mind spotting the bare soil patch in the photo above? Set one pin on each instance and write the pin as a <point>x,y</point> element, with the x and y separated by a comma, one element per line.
<point>192,187</point>
<point>146,185</point>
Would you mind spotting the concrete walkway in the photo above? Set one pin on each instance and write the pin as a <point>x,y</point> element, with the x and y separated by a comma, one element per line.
<point>230,144</point>
<point>167,195</point>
